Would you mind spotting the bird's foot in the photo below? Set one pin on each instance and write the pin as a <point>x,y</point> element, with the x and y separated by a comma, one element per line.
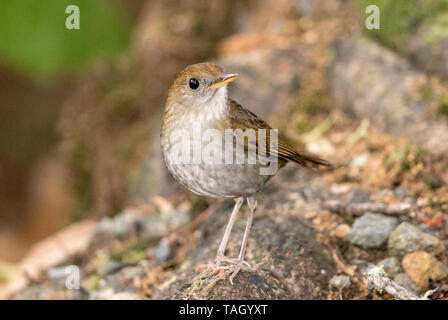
<point>222,267</point>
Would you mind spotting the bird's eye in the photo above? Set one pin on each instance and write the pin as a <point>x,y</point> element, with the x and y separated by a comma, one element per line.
<point>194,83</point>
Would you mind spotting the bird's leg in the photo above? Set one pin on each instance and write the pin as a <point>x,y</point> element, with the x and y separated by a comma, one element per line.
<point>240,263</point>
<point>221,259</point>
<point>225,238</point>
<point>235,265</point>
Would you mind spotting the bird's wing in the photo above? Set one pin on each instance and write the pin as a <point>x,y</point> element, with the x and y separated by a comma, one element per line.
<point>243,119</point>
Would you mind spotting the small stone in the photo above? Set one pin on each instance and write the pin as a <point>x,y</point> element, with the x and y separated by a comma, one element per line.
<point>341,231</point>
<point>428,229</point>
<point>163,251</point>
<point>401,192</point>
<point>391,265</point>
<point>111,267</point>
<point>405,281</point>
<point>358,196</point>
<point>118,226</point>
<point>340,282</point>
<point>359,160</point>
<point>363,266</point>
<point>422,266</point>
<point>59,275</point>
<point>407,238</point>
<point>158,225</point>
<point>371,230</point>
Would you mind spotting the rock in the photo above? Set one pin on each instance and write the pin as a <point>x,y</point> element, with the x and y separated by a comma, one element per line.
<point>163,251</point>
<point>407,238</point>
<point>422,266</point>
<point>290,263</point>
<point>111,266</point>
<point>371,230</point>
<point>358,196</point>
<point>357,82</point>
<point>159,225</point>
<point>401,192</point>
<point>405,281</point>
<point>391,265</point>
<point>429,229</point>
<point>118,226</point>
<point>362,266</point>
<point>341,231</point>
<point>340,282</point>
<point>59,275</point>
<point>430,52</point>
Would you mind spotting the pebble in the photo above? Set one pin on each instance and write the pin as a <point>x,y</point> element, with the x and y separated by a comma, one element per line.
<point>358,196</point>
<point>401,192</point>
<point>158,225</point>
<point>340,282</point>
<point>112,266</point>
<point>118,226</point>
<point>407,238</point>
<point>405,281</point>
<point>371,230</point>
<point>341,231</point>
<point>163,251</point>
<point>421,266</point>
<point>59,275</point>
<point>391,265</point>
<point>153,226</point>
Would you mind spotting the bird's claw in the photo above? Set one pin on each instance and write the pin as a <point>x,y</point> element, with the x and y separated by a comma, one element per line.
<point>229,266</point>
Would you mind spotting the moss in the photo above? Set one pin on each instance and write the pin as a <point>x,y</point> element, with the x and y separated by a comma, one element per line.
<point>403,159</point>
<point>134,252</point>
<point>401,19</point>
<point>443,106</point>
<point>92,283</point>
<point>438,29</point>
<point>194,286</point>
<point>426,93</point>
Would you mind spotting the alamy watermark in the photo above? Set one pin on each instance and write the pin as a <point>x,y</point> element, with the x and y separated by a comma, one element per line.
<point>233,146</point>
<point>73,20</point>
<point>73,277</point>
<point>373,20</point>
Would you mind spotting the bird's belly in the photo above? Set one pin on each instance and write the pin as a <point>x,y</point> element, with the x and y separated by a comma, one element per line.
<point>206,176</point>
<point>219,180</point>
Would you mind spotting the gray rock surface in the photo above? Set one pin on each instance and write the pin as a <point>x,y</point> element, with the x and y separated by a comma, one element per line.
<point>371,230</point>
<point>290,263</point>
<point>391,265</point>
<point>404,280</point>
<point>407,238</point>
<point>392,103</point>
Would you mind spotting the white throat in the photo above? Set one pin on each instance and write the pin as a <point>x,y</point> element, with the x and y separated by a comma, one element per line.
<point>217,105</point>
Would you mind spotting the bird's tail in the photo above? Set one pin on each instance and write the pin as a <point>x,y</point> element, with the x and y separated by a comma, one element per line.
<point>314,160</point>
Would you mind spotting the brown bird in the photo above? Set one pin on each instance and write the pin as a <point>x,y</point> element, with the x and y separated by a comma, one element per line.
<point>199,116</point>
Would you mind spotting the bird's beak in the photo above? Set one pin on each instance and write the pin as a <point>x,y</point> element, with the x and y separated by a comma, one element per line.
<point>224,80</point>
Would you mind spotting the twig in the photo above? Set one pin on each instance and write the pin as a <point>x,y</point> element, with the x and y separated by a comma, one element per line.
<point>358,209</point>
<point>345,268</point>
<point>377,279</point>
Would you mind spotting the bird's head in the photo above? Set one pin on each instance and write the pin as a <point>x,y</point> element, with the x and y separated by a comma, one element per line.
<point>200,84</point>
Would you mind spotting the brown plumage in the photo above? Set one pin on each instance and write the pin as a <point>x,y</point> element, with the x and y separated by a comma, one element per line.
<point>241,118</point>
<point>198,100</point>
